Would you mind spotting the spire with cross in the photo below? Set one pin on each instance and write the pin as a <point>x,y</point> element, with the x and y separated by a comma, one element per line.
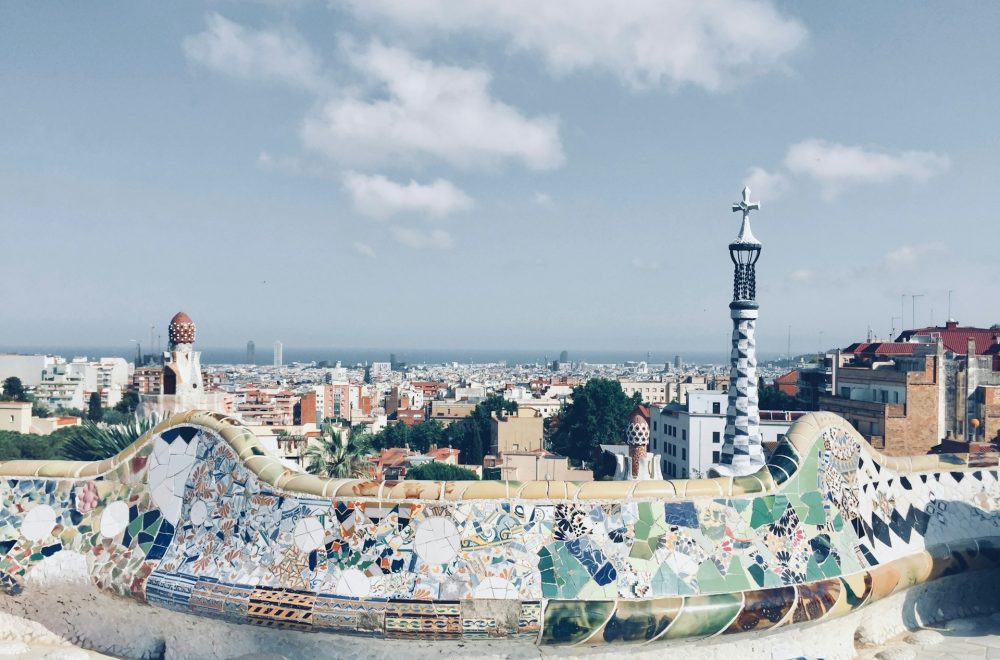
<point>744,251</point>
<point>745,205</point>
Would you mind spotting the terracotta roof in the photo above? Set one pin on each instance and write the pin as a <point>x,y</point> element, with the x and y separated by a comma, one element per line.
<point>642,410</point>
<point>791,377</point>
<point>882,348</point>
<point>956,337</point>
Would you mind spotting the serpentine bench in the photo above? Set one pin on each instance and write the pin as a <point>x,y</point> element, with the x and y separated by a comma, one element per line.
<point>197,517</point>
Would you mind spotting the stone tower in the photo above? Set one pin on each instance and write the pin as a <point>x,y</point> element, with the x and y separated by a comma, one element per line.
<point>742,450</point>
<point>637,438</point>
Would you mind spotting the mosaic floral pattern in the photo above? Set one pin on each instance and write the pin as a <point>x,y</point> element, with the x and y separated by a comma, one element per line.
<point>193,518</point>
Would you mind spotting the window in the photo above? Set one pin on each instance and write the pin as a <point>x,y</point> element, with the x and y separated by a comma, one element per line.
<point>684,472</point>
<point>684,434</point>
<point>895,397</point>
<point>716,408</point>
<point>845,393</point>
<point>715,457</point>
<point>715,437</point>
<point>684,454</point>
<point>654,424</point>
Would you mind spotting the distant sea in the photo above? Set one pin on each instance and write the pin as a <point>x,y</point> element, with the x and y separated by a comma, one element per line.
<point>353,356</point>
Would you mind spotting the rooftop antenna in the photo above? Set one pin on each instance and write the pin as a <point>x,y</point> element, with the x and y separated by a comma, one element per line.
<point>949,304</point>
<point>902,313</point>
<point>913,309</point>
<point>892,322</point>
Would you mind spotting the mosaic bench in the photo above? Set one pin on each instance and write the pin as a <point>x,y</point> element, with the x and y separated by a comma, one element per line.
<point>197,517</point>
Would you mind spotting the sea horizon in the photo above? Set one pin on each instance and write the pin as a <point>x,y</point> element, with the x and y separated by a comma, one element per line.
<point>355,356</point>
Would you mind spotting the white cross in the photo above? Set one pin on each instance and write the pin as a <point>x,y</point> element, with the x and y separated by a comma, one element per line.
<point>745,204</point>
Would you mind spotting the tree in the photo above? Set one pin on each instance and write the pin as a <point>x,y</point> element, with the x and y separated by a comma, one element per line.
<point>94,410</point>
<point>95,442</point>
<point>128,403</point>
<point>113,417</point>
<point>13,389</point>
<point>598,415</point>
<point>435,471</point>
<point>336,457</point>
<point>771,398</point>
<point>473,453</point>
<point>605,467</point>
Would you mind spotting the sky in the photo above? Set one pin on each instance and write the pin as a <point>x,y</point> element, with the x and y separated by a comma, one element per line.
<point>475,174</point>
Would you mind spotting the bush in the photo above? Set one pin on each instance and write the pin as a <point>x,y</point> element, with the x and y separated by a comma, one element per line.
<point>435,471</point>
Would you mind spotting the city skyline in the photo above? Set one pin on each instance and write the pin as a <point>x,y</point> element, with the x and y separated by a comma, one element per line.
<point>536,193</point>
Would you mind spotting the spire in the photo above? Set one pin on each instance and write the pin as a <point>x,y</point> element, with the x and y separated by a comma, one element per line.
<point>742,450</point>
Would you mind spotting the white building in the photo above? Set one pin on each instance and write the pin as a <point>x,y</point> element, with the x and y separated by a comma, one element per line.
<point>689,438</point>
<point>62,386</point>
<point>651,391</point>
<point>279,358</point>
<point>28,368</point>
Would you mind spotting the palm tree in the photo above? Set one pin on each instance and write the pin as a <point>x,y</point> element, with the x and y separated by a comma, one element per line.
<point>95,442</point>
<point>337,458</point>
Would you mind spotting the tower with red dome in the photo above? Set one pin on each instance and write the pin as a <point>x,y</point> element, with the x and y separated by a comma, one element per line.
<point>182,386</point>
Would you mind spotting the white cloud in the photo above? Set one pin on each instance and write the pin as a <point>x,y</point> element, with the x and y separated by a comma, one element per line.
<point>802,275</point>
<point>907,257</point>
<point>542,199</point>
<point>363,249</point>
<point>645,43</point>
<point>646,264</point>
<point>379,197</point>
<point>766,185</point>
<point>436,239</point>
<point>271,55</point>
<point>421,109</point>
<point>836,166</point>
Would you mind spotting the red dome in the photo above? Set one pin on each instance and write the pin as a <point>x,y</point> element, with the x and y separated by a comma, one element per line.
<point>181,329</point>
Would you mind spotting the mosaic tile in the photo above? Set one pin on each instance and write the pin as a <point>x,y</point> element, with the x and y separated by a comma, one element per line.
<point>183,523</point>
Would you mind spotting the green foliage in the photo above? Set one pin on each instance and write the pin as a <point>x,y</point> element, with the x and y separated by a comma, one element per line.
<point>598,415</point>
<point>129,402</point>
<point>113,417</point>
<point>605,466</point>
<point>470,436</point>
<point>418,438</point>
<point>39,409</point>
<point>31,447</point>
<point>95,442</point>
<point>94,410</point>
<point>338,458</point>
<point>13,389</point>
<point>771,398</point>
<point>435,471</point>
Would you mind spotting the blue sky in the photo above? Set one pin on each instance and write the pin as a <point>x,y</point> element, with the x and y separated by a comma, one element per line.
<point>481,174</point>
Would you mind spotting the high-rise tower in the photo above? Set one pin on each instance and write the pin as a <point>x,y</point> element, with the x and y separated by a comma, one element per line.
<point>251,352</point>
<point>279,359</point>
<point>742,450</point>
